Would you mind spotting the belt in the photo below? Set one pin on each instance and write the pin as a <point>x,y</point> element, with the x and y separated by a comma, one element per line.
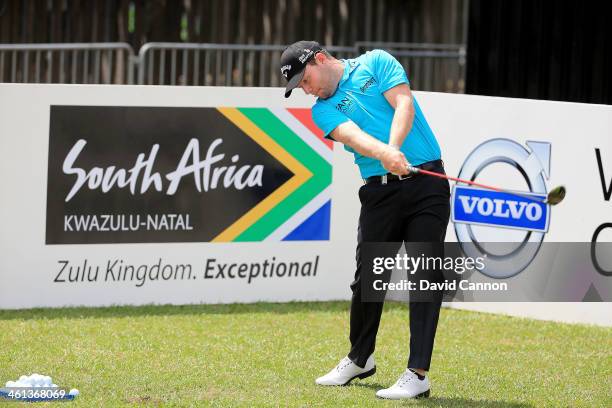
<point>385,178</point>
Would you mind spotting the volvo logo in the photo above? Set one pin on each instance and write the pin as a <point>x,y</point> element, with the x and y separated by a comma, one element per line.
<point>524,211</point>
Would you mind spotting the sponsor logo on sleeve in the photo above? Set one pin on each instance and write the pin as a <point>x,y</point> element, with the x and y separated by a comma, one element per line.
<point>371,81</point>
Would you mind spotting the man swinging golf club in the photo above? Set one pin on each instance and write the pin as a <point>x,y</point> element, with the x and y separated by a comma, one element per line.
<point>366,104</point>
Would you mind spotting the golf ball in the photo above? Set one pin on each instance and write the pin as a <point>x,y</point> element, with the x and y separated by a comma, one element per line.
<point>74,392</point>
<point>34,380</point>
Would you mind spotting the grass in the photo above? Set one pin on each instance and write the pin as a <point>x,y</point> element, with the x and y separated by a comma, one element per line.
<point>269,354</point>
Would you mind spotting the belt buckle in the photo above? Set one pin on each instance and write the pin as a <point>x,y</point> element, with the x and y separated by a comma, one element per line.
<point>407,176</point>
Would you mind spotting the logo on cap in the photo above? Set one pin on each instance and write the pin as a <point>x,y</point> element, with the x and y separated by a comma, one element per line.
<point>285,70</point>
<point>307,53</point>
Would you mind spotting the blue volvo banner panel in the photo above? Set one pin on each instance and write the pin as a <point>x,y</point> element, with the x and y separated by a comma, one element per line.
<point>526,211</point>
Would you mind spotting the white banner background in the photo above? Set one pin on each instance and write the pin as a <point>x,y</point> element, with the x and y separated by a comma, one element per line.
<point>460,122</point>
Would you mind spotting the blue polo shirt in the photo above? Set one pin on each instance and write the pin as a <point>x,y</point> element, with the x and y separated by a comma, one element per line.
<point>359,98</point>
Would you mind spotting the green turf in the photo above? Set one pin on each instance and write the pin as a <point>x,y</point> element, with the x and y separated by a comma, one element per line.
<point>269,354</point>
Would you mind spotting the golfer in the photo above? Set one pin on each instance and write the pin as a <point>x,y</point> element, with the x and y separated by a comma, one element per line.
<point>366,104</point>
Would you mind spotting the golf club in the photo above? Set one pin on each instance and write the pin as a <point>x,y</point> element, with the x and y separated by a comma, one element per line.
<point>554,197</point>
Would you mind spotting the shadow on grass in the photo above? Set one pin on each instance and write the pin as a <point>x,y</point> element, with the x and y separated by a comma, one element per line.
<point>171,310</point>
<point>469,403</point>
<point>448,402</point>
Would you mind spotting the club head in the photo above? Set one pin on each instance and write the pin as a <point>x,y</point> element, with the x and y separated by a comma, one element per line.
<point>556,195</point>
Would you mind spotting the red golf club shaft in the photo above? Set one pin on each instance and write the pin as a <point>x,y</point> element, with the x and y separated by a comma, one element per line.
<point>473,183</point>
<point>444,176</point>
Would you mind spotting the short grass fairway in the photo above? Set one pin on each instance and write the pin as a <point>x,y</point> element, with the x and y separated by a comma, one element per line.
<point>270,354</point>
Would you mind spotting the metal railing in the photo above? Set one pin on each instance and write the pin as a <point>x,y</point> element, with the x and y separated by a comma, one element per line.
<point>71,63</point>
<point>430,67</point>
<point>213,64</point>
<point>433,67</point>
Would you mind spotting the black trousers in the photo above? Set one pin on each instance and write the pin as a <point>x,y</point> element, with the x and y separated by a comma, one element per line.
<point>410,210</point>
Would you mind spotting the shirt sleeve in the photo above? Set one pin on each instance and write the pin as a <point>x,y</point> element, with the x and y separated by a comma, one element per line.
<point>327,118</point>
<point>387,70</point>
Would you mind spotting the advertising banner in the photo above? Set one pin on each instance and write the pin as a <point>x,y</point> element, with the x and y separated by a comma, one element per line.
<point>137,195</point>
<point>175,174</point>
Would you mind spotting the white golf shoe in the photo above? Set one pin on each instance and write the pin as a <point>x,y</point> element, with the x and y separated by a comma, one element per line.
<point>346,371</point>
<point>408,386</point>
